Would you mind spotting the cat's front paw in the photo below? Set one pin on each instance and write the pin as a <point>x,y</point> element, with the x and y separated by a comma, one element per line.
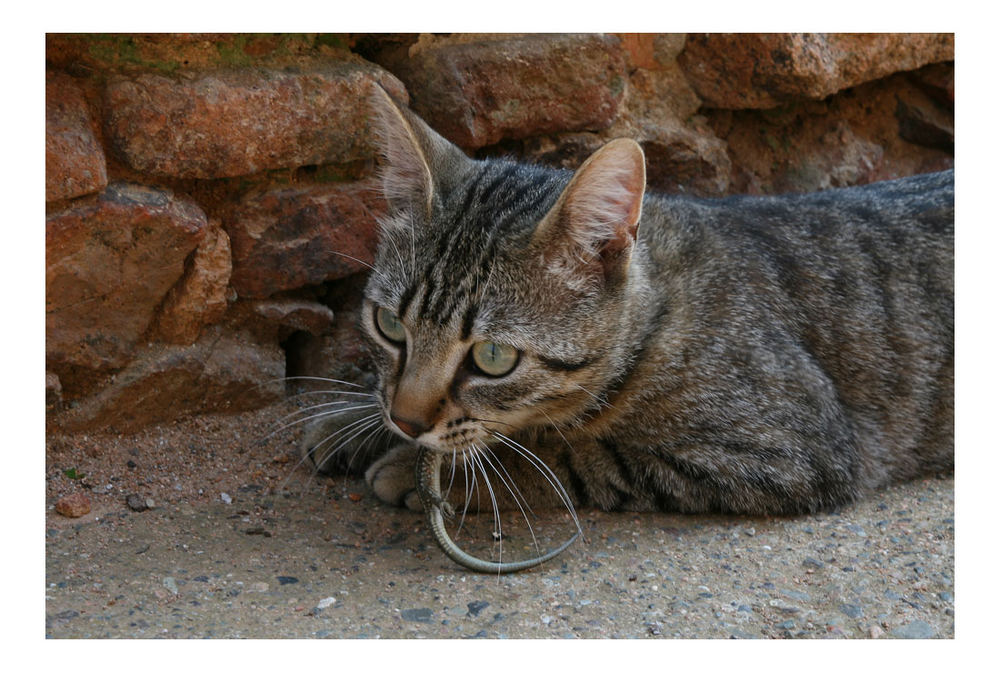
<point>393,480</point>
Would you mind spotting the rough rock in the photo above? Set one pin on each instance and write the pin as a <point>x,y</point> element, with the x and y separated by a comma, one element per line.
<point>680,159</point>
<point>109,264</point>
<point>200,298</point>
<point>295,314</point>
<point>476,91</point>
<point>339,351</point>
<point>652,51</point>
<point>661,96</point>
<point>741,71</point>
<point>851,138</point>
<point>74,505</point>
<point>287,238</point>
<point>223,371</point>
<point>924,122</point>
<point>74,160</point>
<point>225,123</point>
<point>938,82</point>
<point>53,393</point>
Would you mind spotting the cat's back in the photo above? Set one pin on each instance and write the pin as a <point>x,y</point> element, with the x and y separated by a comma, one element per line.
<point>920,208</point>
<point>892,238</point>
<point>850,289</point>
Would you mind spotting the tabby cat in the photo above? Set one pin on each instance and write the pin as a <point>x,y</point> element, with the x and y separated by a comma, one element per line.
<point>626,350</point>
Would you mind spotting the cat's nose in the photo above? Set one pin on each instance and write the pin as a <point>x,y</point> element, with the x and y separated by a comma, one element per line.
<point>412,428</point>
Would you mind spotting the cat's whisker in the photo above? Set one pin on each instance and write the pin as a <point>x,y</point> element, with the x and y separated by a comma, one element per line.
<point>515,492</point>
<point>470,486</point>
<point>325,414</point>
<point>359,261</point>
<point>323,379</point>
<point>371,427</point>
<point>498,533</point>
<point>451,476</point>
<point>370,419</point>
<point>331,393</point>
<point>545,471</point>
<point>558,431</point>
<point>310,453</point>
<point>600,400</point>
<point>307,414</point>
<point>381,429</point>
<point>402,264</point>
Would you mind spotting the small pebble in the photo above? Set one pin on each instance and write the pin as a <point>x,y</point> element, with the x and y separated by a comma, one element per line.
<point>226,498</point>
<point>475,607</point>
<point>325,603</point>
<point>136,503</point>
<point>73,506</point>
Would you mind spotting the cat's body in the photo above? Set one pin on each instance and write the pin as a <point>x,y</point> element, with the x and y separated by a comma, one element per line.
<point>754,355</point>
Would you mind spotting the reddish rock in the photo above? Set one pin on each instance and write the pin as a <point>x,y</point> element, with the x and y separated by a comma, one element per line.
<point>109,264</point>
<point>680,160</point>
<point>340,355</point>
<point>287,238</point>
<point>924,122</point>
<point>74,505</point>
<point>223,371</point>
<point>53,393</point>
<point>225,123</point>
<point>565,150</point>
<point>74,161</point>
<point>938,82</point>
<point>660,97</point>
<point>200,298</point>
<point>295,314</point>
<point>740,71</point>
<point>851,138</point>
<point>651,51</point>
<point>477,91</point>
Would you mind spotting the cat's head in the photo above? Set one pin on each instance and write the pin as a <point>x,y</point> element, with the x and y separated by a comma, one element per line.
<point>496,300</point>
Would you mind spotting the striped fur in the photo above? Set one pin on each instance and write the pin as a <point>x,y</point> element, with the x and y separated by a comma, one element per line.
<point>753,355</point>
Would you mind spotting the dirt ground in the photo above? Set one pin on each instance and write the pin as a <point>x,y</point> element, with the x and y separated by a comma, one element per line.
<point>240,542</point>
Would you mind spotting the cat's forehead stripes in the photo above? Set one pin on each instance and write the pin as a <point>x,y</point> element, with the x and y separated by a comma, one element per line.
<point>472,225</point>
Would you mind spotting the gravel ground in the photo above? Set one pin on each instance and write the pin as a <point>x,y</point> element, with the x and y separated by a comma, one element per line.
<point>241,543</point>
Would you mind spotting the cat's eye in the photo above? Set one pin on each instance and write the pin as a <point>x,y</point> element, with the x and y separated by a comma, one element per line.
<point>494,359</point>
<point>389,326</point>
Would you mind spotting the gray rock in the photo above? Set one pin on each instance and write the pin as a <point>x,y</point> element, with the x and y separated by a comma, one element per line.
<point>917,629</point>
<point>417,615</point>
<point>851,610</point>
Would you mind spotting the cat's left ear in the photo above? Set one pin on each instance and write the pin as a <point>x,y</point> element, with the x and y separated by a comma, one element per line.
<point>592,228</point>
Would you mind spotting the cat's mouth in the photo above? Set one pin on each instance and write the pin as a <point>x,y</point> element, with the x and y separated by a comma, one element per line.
<point>455,436</point>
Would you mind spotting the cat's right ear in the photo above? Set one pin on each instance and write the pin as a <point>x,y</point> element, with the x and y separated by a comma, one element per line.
<point>590,232</point>
<point>415,157</point>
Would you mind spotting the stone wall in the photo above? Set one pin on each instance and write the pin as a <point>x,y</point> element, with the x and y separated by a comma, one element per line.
<point>209,198</point>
